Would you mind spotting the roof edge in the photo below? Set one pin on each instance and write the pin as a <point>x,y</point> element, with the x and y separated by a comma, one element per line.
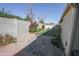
<point>66,9</point>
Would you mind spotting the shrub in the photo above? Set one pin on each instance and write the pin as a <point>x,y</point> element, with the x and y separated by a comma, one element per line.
<point>27,18</point>
<point>33,27</point>
<point>6,15</point>
<point>6,39</point>
<point>57,40</point>
<point>43,27</point>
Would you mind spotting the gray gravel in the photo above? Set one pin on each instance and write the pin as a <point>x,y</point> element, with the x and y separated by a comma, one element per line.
<point>41,47</point>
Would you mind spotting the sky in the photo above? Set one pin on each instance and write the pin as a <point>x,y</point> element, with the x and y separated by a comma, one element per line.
<point>51,12</point>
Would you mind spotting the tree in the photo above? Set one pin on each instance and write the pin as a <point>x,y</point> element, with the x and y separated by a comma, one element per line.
<point>41,21</point>
<point>27,18</point>
<point>3,10</point>
<point>30,13</point>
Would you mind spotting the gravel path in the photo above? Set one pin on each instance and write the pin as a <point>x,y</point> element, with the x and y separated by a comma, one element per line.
<point>41,47</point>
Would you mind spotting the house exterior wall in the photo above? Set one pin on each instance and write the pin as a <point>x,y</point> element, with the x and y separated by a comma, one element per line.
<point>40,25</point>
<point>9,26</point>
<point>46,26</point>
<point>49,26</point>
<point>67,29</point>
<point>75,45</point>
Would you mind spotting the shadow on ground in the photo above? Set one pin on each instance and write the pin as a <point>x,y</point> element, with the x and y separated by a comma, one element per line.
<point>42,46</point>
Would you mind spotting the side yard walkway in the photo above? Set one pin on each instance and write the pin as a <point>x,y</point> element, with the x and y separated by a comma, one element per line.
<point>23,39</point>
<point>14,48</point>
<point>30,44</point>
<point>41,46</point>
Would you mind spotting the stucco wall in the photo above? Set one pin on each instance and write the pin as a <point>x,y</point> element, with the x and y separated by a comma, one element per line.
<point>67,29</point>
<point>76,34</point>
<point>9,26</point>
<point>23,28</point>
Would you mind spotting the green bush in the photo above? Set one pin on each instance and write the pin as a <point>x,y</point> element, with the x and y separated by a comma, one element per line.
<point>33,28</point>
<point>6,15</point>
<point>27,18</point>
<point>57,40</point>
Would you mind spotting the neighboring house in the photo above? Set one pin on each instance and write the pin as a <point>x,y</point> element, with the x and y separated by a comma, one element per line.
<point>47,25</point>
<point>70,28</point>
<point>40,25</point>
